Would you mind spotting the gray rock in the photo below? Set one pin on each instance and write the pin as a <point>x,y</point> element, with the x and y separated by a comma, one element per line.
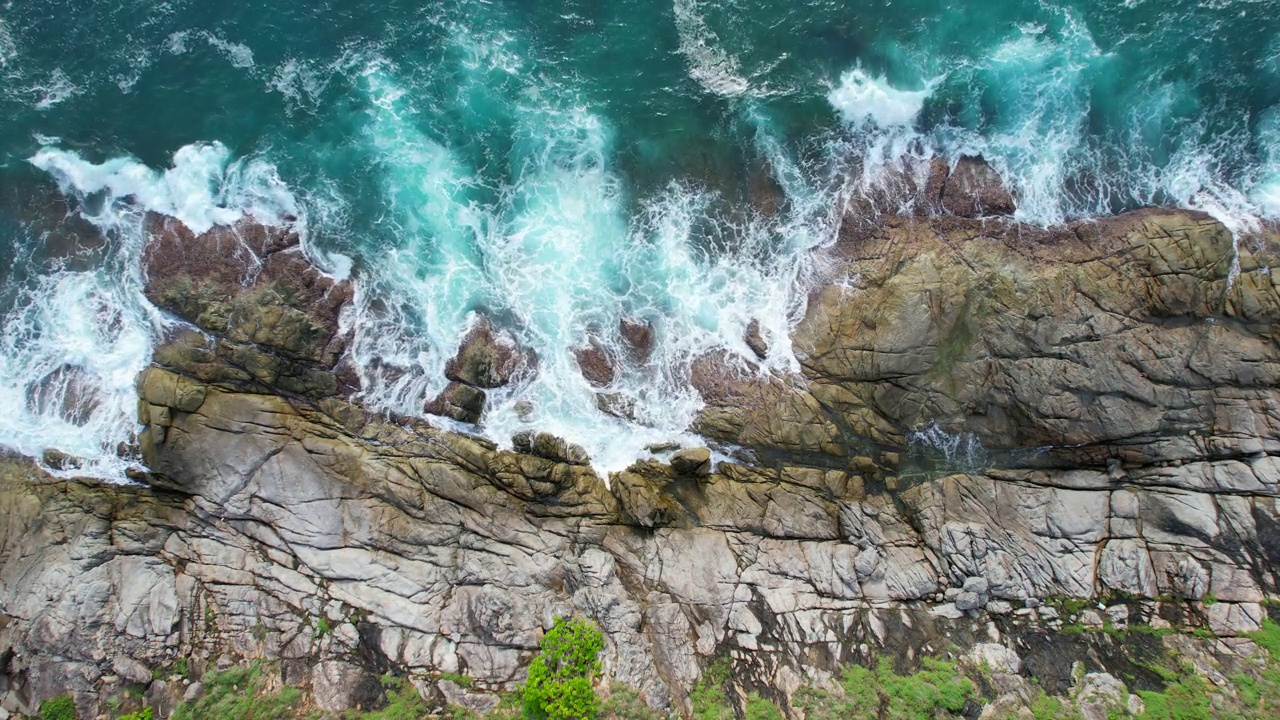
<point>194,692</point>
<point>968,601</point>
<point>131,670</point>
<point>478,703</point>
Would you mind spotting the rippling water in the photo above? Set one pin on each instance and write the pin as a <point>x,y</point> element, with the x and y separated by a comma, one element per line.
<point>561,165</point>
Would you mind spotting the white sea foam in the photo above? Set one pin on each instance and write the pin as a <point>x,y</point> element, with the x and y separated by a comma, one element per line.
<point>176,44</point>
<point>298,81</point>
<point>238,54</point>
<point>556,255</point>
<point>56,88</point>
<point>203,188</point>
<point>861,99</point>
<point>8,48</point>
<point>716,70</point>
<point>74,341</point>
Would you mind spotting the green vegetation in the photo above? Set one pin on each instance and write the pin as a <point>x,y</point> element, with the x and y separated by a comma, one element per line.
<point>62,707</point>
<point>403,703</point>
<point>561,677</point>
<point>624,703</point>
<point>709,698</point>
<point>322,626</point>
<point>240,694</point>
<point>561,687</point>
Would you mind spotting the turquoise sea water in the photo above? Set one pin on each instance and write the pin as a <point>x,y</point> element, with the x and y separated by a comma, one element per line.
<point>560,165</point>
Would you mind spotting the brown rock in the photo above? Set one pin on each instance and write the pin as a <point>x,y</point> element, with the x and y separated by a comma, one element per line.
<point>638,337</point>
<point>755,340</point>
<point>974,189</point>
<point>595,363</point>
<point>692,461</point>
<point>485,359</point>
<point>248,283</point>
<point>459,401</point>
<point>546,445</point>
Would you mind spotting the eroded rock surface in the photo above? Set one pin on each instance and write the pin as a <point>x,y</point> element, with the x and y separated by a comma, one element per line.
<point>987,416</point>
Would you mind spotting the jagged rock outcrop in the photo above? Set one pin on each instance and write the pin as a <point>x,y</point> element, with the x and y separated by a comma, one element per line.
<point>987,416</point>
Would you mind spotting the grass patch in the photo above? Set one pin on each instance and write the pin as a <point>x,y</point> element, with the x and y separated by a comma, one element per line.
<point>62,707</point>
<point>239,694</point>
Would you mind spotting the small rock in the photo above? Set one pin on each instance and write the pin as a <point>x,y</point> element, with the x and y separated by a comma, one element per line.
<point>619,405</point>
<point>952,593</point>
<point>546,445</point>
<point>638,336</point>
<point>458,401</point>
<point>1119,614</point>
<point>338,686</point>
<point>160,699</point>
<point>999,607</point>
<point>968,600</point>
<point>1091,618</point>
<point>692,461</point>
<point>947,610</point>
<point>1135,706</point>
<point>977,585</point>
<point>595,363</point>
<point>1228,619</point>
<point>194,692</point>
<point>996,657</point>
<point>755,340</point>
<point>130,669</point>
<point>660,448</point>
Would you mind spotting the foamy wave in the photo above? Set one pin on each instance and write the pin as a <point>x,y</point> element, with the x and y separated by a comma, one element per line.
<point>558,257</point>
<point>861,99</point>
<point>203,188</point>
<point>714,69</point>
<point>74,341</point>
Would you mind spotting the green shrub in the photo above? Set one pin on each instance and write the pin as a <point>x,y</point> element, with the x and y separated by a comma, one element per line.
<point>759,708</point>
<point>708,697</point>
<point>62,707</point>
<point>403,702</point>
<point>143,714</point>
<point>920,696</point>
<point>561,676</point>
<point>861,697</point>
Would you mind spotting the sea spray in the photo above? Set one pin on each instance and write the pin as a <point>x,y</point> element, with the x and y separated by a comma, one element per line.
<point>75,340</point>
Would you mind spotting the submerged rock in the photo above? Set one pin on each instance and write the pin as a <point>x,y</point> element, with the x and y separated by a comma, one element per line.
<point>755,340</point>
<point>637,336</point>
<point>596,364</point>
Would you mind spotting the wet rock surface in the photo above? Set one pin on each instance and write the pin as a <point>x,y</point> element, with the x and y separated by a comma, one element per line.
<point>987,417</point>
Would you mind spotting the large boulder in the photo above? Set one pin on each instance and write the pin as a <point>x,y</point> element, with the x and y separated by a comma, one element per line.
<point>487,358</point>
<point>974,189</point>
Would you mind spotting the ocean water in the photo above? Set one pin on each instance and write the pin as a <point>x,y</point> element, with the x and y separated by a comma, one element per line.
<point>559,166</point>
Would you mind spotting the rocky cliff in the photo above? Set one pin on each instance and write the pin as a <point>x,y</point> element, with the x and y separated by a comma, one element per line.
<point>989,416</point>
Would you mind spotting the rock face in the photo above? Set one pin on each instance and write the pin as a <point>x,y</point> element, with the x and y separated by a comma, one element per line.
<point>993,416</point>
